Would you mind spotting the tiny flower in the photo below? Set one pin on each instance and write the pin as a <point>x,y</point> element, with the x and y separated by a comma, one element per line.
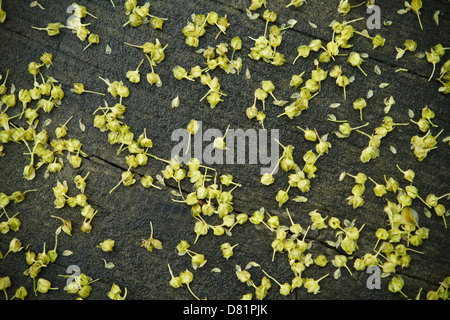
<point>310,135</point>
<point>267,179</point>
<point>282,196</point>
<point>359,104</point>
<point>5,283</point>
<point>21,293</point>
<point>52,28</point>
<point>151,243</point>
<point>243,275</point>
<point>321,260</point>
<point>186,277</point>
<point>14,246</point>
<point>313,285</point>
<point>107,245</point>
<point>115,291</point>
<point>198,260</point>
<point>355,60</point>
<point>134,75</point>
<point>340,261</point>
<point>227,250</point>
<point>67,225</point>
<point>43,286</point>
<point>378,41</point>
<point>379,189</point>
<point>317,220</point>
<point>257,217</point>
<point>396,285</point>
<point>408,174</point>
<point>334,223</point>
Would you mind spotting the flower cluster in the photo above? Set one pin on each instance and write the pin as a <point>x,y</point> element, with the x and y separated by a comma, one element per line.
<point>197,27</point>
<point>5,283</point>
<point>434,56</point>
<point>409,45</point>
<point>260,94</point>
<point>356,200</point>
<point>342,34</point>
<point>80,285</point>
<point>425,123</point>
<point>341,79</point>
<point>215,58</point>
<point>75,24</point>
<point>265,46</point>
<point>310,89</point>
<point>39,261</point>
<point>305,50</point>
<point>290,240</point>
<point>185,278</point>
<point>415,7</point>
<point>244,276</point>
<point>139,15</point>
<point>198,260</point>
<point>209,198</point>
<point>210,195</point>
<point>45,151</point>
<point>441,292</point>
<point>347,235</point>
<point>151,243</point>
<point>120,133</point>
<point>62,198</point>
<point>12,223</point>
<point>372,150</point>
<point>301,178</point>
<point>154,52</point>
<point>422,145</point>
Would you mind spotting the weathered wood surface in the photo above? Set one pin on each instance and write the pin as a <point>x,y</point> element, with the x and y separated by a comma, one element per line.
<point>125,214</point>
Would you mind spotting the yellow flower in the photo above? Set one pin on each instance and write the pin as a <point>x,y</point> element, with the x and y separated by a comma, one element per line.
<point>396,285</point>
<point>107,245</point>
<point>313,285</point>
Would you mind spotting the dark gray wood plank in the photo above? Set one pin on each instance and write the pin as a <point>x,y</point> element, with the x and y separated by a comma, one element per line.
<point>125,214</point>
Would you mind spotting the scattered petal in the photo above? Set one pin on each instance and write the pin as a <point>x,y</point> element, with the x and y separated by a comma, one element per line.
<point>67,253</point>
<point>436,17</point>
<point>108,265</point>
<point>82,126</point>
<point>313,25</point>
<point>292,22</point>
<point>247,74</point>
<point>176,102</point>
<point>47,122</point>
<point>377,70</point>
<point>300,199</point>
<point>251,15</point>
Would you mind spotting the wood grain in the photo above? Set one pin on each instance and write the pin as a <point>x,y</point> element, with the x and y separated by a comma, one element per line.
<point>124,215</point>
